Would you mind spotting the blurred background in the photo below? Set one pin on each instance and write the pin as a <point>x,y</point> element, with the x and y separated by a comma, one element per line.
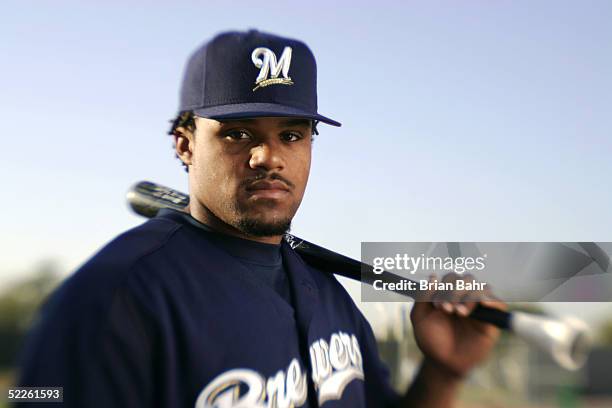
<point>462,121</point>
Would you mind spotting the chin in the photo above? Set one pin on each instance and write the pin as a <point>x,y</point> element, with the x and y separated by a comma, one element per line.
<point>264,228</point>
<point>265,217</point>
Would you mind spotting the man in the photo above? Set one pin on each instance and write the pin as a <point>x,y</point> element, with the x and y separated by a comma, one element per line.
<point>211,308</point>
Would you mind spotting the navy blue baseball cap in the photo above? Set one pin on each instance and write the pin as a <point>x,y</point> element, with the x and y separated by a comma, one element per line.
<point>239,75</point>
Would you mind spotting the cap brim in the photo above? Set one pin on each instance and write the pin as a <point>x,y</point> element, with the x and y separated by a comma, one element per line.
<point>258,110</point>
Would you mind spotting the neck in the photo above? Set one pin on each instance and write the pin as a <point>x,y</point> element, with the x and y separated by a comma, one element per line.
<point>205,216</point>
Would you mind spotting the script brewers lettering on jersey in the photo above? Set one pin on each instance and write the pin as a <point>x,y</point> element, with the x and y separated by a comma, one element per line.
<point>265,60</point>
<point>335,363</point>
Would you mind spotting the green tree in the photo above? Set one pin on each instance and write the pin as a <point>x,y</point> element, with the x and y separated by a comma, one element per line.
<point>18,305</point>
<point>605,333</point>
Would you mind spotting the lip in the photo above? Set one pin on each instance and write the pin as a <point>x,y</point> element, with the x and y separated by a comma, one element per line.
<point>268,189</point>
<point>268,185</point>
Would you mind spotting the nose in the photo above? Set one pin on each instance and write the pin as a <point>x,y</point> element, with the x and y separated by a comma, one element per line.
<point>266,156</point>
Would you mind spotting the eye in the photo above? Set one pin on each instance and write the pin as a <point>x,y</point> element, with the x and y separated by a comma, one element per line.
<point>238,135</point>
<point>291,136</point>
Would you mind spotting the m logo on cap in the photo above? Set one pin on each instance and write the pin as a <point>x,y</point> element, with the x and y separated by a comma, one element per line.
<point>265,60</point>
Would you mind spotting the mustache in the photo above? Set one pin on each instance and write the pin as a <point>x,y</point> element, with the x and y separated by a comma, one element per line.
<point>266,176</point>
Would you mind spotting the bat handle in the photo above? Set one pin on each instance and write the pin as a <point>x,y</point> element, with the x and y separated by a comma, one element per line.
<point>496,317</point>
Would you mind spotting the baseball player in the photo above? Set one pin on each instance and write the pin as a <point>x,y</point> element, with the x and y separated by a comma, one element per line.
<point>210,307</point>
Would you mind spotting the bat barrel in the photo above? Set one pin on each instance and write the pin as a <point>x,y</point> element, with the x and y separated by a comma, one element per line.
<point>568,341</point>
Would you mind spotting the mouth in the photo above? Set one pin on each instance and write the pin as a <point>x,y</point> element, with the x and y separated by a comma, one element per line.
<point>275,189</point>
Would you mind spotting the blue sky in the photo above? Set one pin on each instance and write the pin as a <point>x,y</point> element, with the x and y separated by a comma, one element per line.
<point>462,121</point>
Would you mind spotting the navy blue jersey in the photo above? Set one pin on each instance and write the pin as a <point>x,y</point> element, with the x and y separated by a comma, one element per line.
<point>165,317</point>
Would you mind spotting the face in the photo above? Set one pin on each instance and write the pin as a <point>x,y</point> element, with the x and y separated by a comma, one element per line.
<point>251,174</point>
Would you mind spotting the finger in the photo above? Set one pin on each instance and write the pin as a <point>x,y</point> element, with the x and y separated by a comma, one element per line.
<point>449,298</point>
<point>422,304</point>
<point>427,295</point>
<point>462,298</point>
<point>491,300</point>
<point>442,296</point>
<point>471,298</point>
<point>468,303</point>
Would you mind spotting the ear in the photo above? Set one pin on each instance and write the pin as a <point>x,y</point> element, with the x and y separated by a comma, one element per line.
<point>184,145</point>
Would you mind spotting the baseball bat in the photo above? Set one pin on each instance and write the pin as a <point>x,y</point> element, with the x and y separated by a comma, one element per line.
<point>567,341</point>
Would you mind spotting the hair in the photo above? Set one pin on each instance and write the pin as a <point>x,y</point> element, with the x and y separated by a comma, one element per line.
<point>186,120</point>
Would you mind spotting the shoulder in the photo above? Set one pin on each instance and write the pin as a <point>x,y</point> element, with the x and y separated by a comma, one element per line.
<point>90,291</point>
<point>115,261</point>
<point>100,301</point>
<point>131,246</point>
